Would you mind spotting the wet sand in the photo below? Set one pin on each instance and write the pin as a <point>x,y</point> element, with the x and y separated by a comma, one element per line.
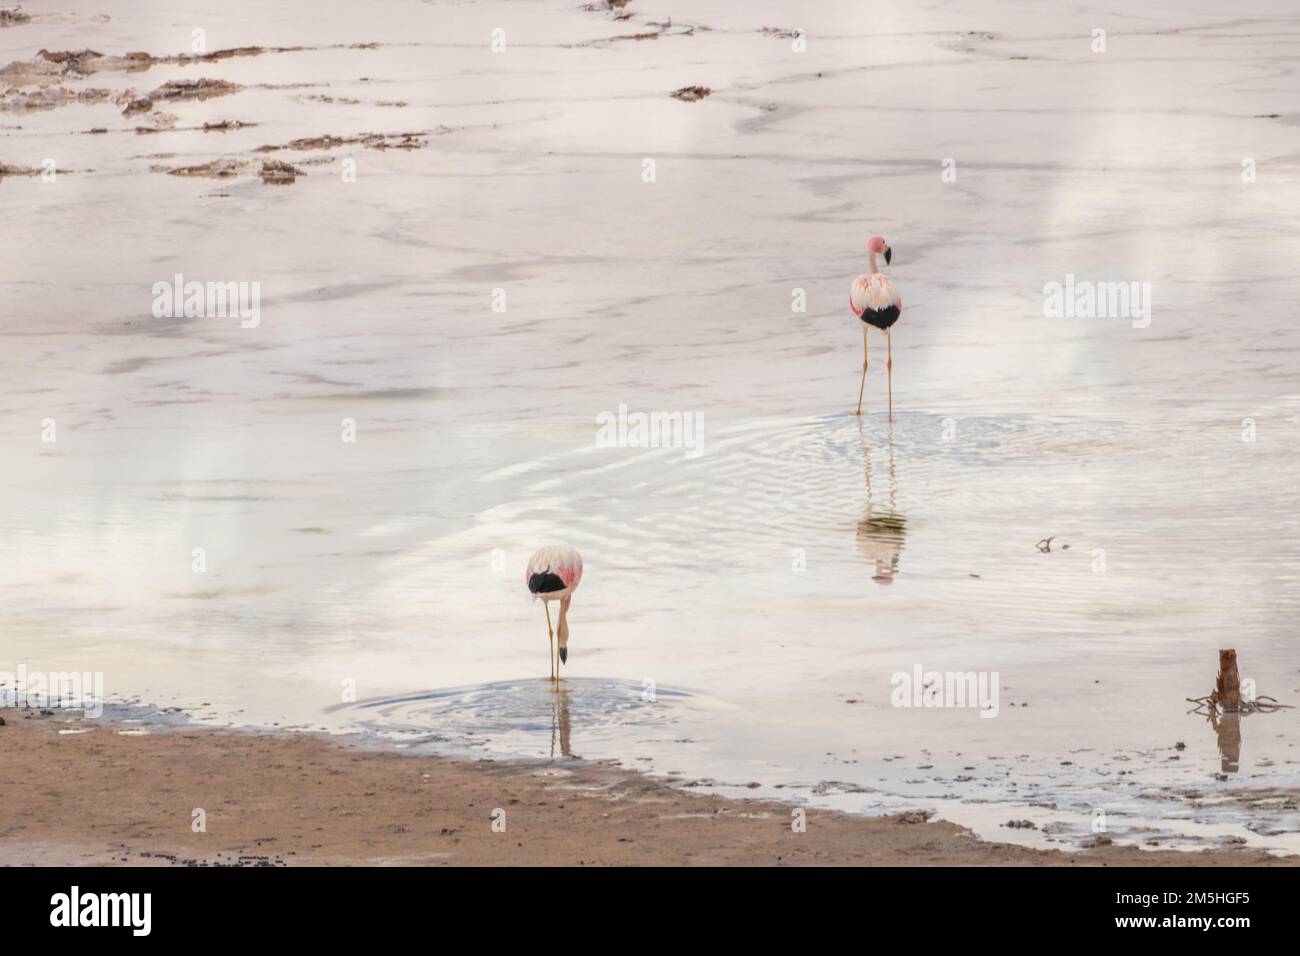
<point>102,797</point>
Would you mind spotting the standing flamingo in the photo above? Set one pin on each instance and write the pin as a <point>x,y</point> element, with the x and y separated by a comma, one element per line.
<point>553,574</point>
<point>875,301</point>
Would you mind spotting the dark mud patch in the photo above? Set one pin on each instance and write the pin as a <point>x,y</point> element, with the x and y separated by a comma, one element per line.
<point>38,85</point>
<point>652,35</point>
<point>279,173</point>
<point>50,70</point>
<point>14,17</point>
<point>7,170</point>
<point>225,126</point>
<point>216,169</point>
<point>226,54</point>
<point>14,100</point>
<point>617,9</point>
<point>691,94</point>
<point>71,64</point>
<point>166,122</point>
<point>367,140</point>
<point>52,65</point>
<point>177,91</point>
<point>352,101</point>
<point>654,30</point>
<point>200,89</point>
<point>270,171</point>
<point>340,100</point>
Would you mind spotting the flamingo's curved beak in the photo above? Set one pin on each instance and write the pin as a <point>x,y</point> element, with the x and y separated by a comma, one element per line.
<point>888,254</point>
<point>564,655</point>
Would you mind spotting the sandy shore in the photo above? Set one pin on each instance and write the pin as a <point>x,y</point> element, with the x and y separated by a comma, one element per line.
<point>99,796</point>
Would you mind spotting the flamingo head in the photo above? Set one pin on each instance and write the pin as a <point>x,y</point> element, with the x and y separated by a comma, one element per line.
<point>878,245</point>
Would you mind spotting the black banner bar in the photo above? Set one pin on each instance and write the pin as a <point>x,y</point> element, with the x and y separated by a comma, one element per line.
<point>297,905</point>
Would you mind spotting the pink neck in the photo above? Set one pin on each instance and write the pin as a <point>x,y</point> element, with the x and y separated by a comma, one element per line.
<point>872,255</point>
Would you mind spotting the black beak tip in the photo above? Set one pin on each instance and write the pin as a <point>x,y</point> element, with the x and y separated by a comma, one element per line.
<point>889,255</point>
<point>564,655</point>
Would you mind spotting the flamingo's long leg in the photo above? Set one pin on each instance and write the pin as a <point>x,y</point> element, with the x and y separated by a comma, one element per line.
<point>550,639</point>
<point>864,370</point>
<point>889,367</point>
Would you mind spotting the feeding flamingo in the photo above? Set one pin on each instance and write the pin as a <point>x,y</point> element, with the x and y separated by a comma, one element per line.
<point>553,574</point>
<point>875,301</point>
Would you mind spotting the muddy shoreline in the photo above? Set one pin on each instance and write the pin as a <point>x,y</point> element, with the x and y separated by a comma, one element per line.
<point>83,792</point>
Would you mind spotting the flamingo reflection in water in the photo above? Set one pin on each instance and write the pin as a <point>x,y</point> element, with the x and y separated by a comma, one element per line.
<point>561,723</point>
<point>882,529</point>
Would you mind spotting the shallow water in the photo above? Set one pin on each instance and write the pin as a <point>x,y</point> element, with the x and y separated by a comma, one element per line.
<point>743,609</point>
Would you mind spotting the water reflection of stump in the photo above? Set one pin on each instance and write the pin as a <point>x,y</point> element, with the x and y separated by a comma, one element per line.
<point>1228,729</point>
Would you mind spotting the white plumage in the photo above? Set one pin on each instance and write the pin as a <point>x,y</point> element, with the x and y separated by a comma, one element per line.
<point>874,291</point>
<point>564,563</point>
